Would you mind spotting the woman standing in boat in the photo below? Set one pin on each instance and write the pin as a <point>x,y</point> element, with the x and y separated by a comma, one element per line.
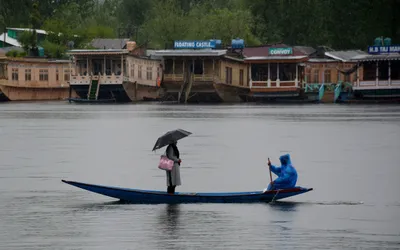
<point>173,176</point>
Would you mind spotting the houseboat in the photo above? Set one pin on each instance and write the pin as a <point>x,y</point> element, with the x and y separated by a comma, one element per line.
<point>378,76</point>
<point>27,79</point>
<point>276,73</point>
<point>114,75</point>
<point>330,73</point>
<point>199,71</point>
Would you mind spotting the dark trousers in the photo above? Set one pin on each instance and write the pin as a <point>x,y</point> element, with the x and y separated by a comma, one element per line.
<point>170,189</point>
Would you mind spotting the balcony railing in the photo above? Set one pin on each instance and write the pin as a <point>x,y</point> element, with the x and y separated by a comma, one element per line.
<point>173,77</point>
<point>197,78</point>
<point>103,79</point>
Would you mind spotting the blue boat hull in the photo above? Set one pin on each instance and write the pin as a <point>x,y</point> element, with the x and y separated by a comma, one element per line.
<point>137,196</point>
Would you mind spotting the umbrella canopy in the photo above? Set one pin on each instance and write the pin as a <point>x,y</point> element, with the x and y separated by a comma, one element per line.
<point>170,137</point>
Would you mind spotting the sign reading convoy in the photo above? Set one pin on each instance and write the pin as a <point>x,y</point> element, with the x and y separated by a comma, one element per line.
<point>194,44</point>
<point>280,51</point>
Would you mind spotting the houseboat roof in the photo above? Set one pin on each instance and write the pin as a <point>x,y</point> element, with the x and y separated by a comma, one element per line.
<point>109,43</point>
<point>9,40</point>
<point>381,57</point>
<point>190,52</point>
<point>321,60</point>
<point>98,52</point>
<point>278,58</point>
<point>344,55</point>
<point>38,31</point>
<point>275,53</point>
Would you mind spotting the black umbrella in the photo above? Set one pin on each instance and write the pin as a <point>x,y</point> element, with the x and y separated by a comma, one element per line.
<point>170,137</point>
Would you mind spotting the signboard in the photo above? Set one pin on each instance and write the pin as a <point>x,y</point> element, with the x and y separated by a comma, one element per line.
<point>384,49</point>
<point>280,51</point>
<point>194,44</point>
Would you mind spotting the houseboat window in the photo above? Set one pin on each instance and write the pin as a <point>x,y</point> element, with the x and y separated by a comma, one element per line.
<point>259,72</point>
<point>14,74</point>
<point>198,67</point>
<point>57,78</point>
<point>347,78</point>
<point>140,71</point>
<point>287,72</point>
<point>316,76</point>
<point>241,77</point>
<point>2,71</point>
<point>149,73</point>
<point>98,67</point>
<point>273,71</point>
<point>369,71</point>
<point>43,75</point>
<point>228,75</point>
<point>66,75</point>
<point>395,70</point>
<point>327,76</point>
<point>28,75</point>
<point>118,69</point>
<point>308,76</point>
<point>132,70</point>
<point>168,66</point>
<point>383,70</point>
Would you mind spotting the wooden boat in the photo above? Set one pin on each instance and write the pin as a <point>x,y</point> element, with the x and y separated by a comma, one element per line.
<point>137,196</point>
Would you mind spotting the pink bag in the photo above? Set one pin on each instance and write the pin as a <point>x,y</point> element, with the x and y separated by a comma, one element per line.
<point>165,163</point>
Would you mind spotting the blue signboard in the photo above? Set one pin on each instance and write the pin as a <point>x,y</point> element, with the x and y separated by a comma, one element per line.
<point>384,49</point>
<point>195,44</point>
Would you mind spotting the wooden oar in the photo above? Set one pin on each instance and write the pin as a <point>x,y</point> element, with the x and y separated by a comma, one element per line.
<point>269,167</point>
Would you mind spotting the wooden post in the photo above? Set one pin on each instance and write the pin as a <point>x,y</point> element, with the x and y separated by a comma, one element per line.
<point>358,74</point>
<point>104,66</point>
<point>173,66</point>
<point>377,74</point>
<point>277,75</point>
<point>297,75</point>
<point>122,65</point>
<point>269,76</point>
<point>390,77</point>
<point>87,65</point>
<point>203,67</point>
<point>213,66</point>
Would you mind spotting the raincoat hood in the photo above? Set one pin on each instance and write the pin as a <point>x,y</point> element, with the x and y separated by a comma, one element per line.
<point>285,160</point>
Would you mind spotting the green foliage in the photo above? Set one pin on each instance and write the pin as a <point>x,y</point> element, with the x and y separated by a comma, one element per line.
<point>54,50</point>
<point>340,24</point>
<point>16,53</point>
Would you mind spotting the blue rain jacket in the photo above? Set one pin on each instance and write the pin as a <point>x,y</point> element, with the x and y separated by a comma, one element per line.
<point>287,174</point>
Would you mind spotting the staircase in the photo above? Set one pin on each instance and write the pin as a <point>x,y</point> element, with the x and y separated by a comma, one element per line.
<point>189,87</point>
<point>93,90</point>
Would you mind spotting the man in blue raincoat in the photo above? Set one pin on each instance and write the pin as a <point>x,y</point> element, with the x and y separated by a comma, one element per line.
<point>287,174</point>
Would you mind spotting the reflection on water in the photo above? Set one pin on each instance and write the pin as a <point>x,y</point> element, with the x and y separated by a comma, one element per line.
<point>337,150</point>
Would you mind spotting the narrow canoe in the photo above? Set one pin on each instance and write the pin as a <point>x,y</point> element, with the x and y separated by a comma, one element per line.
<point>138,196</point>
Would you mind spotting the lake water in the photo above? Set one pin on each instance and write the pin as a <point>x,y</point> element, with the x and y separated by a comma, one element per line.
<point>349,154</point>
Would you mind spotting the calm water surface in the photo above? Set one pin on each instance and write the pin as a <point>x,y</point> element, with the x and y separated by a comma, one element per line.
<point>348,154</point>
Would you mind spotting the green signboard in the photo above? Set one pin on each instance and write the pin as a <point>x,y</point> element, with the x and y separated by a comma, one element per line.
<point>280,51</point>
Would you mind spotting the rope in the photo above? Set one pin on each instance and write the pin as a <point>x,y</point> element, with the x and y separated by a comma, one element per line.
<point>273,198</point>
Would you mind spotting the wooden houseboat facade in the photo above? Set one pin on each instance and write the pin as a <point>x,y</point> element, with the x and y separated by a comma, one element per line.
<point>207,75</point>
<point>378,78</point>
<point>114,75</point>
<point>333,71</point>
<point>27,79</point>
<point>276,73</point>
